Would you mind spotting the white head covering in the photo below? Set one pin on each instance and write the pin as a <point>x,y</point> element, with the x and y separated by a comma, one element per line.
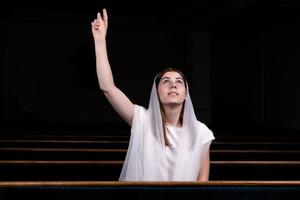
<point>146,157</point>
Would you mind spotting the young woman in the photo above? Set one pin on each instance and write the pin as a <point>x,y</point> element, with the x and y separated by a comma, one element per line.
<point>167,142</point>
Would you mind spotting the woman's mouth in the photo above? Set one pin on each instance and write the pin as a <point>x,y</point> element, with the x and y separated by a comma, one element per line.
<point>173,93</point>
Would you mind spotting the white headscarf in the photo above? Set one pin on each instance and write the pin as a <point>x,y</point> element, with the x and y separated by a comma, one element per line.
<point>146,158</point>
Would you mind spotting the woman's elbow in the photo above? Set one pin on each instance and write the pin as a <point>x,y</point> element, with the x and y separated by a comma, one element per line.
<point>106,89</point>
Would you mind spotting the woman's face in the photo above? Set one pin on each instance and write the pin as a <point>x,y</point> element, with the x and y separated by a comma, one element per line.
<point>171,89</point>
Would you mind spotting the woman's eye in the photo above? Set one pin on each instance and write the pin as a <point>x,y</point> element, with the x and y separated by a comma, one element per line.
<point>179,82</point>
<point>165,81</point>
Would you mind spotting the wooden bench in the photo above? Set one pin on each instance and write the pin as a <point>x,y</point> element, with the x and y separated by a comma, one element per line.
<point>92,190</point>
<point>100,157</point>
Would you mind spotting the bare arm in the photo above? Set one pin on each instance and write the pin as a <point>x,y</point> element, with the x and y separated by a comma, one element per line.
<point>115,96</point>
<point>204,170</point>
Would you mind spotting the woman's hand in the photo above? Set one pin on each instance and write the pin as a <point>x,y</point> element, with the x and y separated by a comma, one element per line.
<point>99,26</point>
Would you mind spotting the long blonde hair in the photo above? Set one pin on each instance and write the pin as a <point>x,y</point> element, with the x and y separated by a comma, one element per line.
<point>163,116</point>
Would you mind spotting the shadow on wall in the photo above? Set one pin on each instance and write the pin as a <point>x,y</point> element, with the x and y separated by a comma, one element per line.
<point>229,115</point>
<point>14,111</point>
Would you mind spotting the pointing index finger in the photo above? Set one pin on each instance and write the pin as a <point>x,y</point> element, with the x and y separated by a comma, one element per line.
<point>99,16</point>
<point>105,17</point>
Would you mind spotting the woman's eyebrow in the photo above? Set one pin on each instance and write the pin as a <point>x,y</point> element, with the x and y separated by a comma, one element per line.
<point>165,77</point>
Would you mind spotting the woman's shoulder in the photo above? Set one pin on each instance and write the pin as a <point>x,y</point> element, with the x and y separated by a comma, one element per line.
<point>205,131</point>
<point>139,109</point>
<point>139,112</point>
<point>203,126</point>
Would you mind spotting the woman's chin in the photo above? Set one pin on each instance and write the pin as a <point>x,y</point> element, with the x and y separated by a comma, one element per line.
<point>173,103</point>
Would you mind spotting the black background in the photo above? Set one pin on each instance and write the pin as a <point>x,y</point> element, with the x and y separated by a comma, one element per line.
<point>241,59</point>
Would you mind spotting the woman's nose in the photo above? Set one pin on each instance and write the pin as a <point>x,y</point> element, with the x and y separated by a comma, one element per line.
<point>173,85</point>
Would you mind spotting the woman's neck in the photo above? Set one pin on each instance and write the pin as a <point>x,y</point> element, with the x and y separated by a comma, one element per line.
<point>172,115</point>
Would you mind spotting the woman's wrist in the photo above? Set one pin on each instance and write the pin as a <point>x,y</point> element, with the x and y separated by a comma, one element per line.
<point>100,41</point>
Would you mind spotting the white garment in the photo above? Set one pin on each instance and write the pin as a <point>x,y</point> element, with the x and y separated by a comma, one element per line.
<point>147,158</point>
<point>173,135</point>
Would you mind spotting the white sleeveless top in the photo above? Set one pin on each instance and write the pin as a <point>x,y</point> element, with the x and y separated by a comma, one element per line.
<point>173,135</point>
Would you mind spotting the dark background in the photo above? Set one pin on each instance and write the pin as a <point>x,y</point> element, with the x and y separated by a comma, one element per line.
<point>241,59</point>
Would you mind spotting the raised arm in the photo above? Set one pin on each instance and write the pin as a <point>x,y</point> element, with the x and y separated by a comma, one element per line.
<point>115,96</point>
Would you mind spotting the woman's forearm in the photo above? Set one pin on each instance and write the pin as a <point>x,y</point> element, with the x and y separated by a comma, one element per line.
<point>104,73</point>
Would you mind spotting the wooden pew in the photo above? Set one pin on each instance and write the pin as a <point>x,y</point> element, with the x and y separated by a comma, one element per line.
<point>100,157</point>
<point>109,170</point>
<point>92,190</point>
